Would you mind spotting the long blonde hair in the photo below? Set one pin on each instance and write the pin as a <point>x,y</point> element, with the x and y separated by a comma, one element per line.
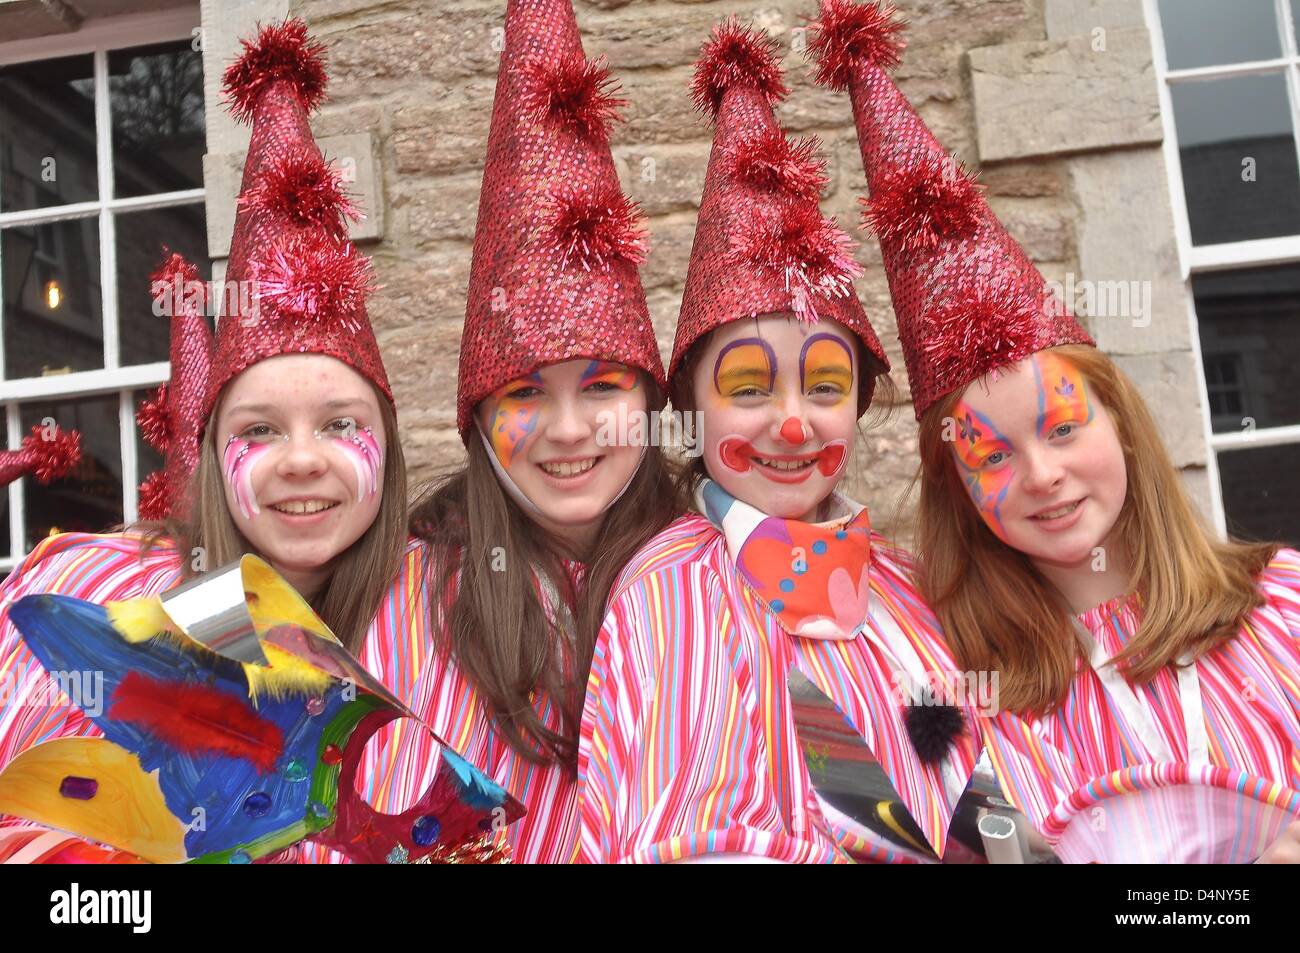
<point>366,569</point>
<point>999,614</point>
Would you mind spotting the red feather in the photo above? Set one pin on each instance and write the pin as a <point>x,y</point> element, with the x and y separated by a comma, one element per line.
<point>769,160</point>
<point>305,189</point>
<point>990,324</point>
<point>736,56</point>
<point>281,52</point>
<point>915,208</point>
<point>154,421</point>
<point>197,719</point>
<point>52,458</point>
<point>309,276</point>
<point>155,500</point>
<point>573,91</point>
<point>594,229</point>
<point>850,34</point>
<point>803,249</point>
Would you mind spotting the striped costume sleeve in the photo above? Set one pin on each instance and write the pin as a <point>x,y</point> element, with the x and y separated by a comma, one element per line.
<point>669,765</point>
<point>1280,584</point>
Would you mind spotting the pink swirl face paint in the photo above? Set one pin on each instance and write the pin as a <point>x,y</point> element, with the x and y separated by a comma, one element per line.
<point>362,449</point>
<point>237,463</point>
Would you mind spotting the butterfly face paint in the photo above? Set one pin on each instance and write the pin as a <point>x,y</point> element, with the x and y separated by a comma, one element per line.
<point>983,456</point>
<point>1062,394</point>
<point>514,418</point>
<point>237,463</point>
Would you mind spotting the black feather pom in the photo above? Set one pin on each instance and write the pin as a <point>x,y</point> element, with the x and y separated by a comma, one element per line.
<point>932,729</point>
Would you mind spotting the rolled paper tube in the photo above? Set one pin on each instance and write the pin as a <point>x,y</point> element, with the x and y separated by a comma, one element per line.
<point>1001,842</point>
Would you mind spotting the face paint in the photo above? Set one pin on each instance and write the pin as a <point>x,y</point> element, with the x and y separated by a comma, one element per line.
<point>604,372</point>
<point>737,452</point>
<point>987,483</point>
<point>792,431</point>
<point>362,449</point>
<point>744,364</point>
<point>514,419</point>
<point>1062,394</point>
<point>826,360</point>
<point>237,463</point>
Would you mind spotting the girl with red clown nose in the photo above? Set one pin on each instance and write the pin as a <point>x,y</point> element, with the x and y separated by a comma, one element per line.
<point>689,748</point>
<point>1146,668</point>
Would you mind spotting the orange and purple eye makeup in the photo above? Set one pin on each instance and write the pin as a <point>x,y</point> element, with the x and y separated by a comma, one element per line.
<point>745,364</point>
<point>515,414</point>
<point>826,359</point>
<point>977,442</point>
<point>606,372</point>
<point>1062,394</point>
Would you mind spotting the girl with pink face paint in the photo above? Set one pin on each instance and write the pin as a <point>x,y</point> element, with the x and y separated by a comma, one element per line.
<point>1146,670</point>
<point>776,571</point>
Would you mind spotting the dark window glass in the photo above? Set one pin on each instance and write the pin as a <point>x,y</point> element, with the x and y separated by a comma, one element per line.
<point>89,499</point>
<point>155,95</point>
<point>1210,32</point>
<point>4,493</point>
<point>1259,495</point>
<point>47,134</point>
<point>1249,322</point>
<point>147,458</point>
<point>1238,156</point>
<point>145,337</point>
<point>53,319</point>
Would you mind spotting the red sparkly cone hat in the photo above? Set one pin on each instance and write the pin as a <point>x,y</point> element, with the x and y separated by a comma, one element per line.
<point>172,419</point>
<point>308,283</point>
<point>556,249</point>
<point>967,298</point>
<point>762,245</point>
<point>45,455</point>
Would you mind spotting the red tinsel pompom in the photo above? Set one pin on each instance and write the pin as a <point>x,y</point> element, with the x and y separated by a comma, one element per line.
<point>174,266</point>
<point>281,52</point>
<point>310,276</point>
<point>53,456</point>
<point>154,420</point>
<point>849,34</point>
<point>736,56</point>
<point>915,208</point>
<point>572,91</point>
<point>802,248</point>
<point>988,324</point>
<point>154,498</point>
<point>592,229</point>
<point>302,187</point>
<point>769,160</point>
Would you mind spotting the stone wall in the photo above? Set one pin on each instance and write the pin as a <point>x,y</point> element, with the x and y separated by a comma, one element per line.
<point>996,79</point>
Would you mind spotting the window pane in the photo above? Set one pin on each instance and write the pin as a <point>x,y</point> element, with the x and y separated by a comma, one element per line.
<point>47,134</point>
<point>53,320</point>
<point>155,95</point>
<point>1249,321</point>
<point>89,499</point>
<point>4,491</point>
<point>1259,495</point>
<point>1239,158</point>
<point>143,336</point>
<point>1209,32</point>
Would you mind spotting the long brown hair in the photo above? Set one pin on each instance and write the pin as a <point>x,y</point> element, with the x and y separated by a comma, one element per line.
<point>366,569</point>
<point>999,614</point>
<point>486,555</point>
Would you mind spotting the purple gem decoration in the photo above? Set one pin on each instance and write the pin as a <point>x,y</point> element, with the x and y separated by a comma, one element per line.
<point>82,789</point>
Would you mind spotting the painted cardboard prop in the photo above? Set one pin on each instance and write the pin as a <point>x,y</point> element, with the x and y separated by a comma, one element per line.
<point>234,723</point>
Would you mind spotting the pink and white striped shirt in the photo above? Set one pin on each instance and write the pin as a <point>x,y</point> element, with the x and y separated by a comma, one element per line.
<point>397,765</point>
<point>688,741</point>
<point>1250,691</point>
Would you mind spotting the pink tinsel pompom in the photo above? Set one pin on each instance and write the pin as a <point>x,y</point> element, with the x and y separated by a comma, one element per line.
<point>849,34</point>
<point>281,52</point>
<point>807,251</point>
<point>310,276</point>
<point>592,229</point>
<point>915,208</point>
<point>736,56</point>
<point>154,502</point>
<point>769,160</point>
<point>572,91</point>
<point>154,420</point>
<point>987,324</point>
<point>302,187</point>
<point>51,458</point>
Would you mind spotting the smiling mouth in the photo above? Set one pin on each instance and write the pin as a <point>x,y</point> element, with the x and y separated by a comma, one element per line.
<point>1059,512</point>
<point>784,465</point>
<point>739,454</point>
<point>304,507</point>
<point>569,468</point>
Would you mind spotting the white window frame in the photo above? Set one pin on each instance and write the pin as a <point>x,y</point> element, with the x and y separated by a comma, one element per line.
<point>96,38</point>
<point>1245,254</point>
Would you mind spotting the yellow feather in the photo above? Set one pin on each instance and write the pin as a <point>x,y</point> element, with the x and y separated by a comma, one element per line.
<point>285,675</point>
<point>140,619</point>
